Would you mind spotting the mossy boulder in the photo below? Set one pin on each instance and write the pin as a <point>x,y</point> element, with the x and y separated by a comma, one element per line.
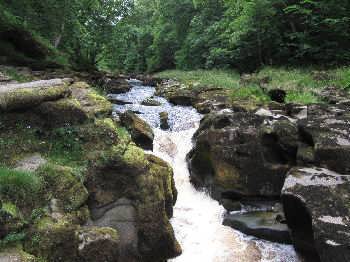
<point>141,132</point>
<point>98,244</point>
<point>62,112</point>
<point>28,95</point>
<point>93,104</point>
<point>53,240</point>
<point>148,182</point>
<point>62,184</point>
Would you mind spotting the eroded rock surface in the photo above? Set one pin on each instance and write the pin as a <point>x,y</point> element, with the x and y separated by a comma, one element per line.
<point>317,207</point>
<point>140,131</point>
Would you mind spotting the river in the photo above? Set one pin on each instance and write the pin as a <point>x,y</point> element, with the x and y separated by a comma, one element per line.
<point>198,218</point>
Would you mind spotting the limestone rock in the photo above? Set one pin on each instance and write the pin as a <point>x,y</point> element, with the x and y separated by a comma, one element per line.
<point>27,95</point>
<point>242,155</point>
<point>98,244</point>
<point>326,130</point>
<point>317,207</point>
<point>62,112</point>
<point>151,102</point>
<point>141,132</point>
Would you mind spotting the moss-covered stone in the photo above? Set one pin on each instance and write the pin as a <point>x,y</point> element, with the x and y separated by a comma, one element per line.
<point>53,240</point>
<point>62,112</point>
<point>98,244</point>
<point>141,132</point>
<point>24,98</point>
<point>64,185</point>
<point>16,254</point>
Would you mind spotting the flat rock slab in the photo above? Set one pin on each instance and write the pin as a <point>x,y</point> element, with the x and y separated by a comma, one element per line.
<point>35,84</point>
<point>31,163</point>
<point>261,224</point>
<point>27,95</point>
<point>317,207</point>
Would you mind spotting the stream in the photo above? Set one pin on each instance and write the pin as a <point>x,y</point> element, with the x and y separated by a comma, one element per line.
<point>198,218</point>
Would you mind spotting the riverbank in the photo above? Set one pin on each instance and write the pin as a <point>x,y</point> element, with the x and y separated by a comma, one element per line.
<point>73,185</point>
<point>301,85</point>
<point>255,149</point>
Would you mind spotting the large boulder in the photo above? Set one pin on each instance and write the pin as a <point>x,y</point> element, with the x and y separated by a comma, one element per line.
<point>28,95</point>
<point>325,134</point>
<point>317,208</point>
<point>62,112</point>
<point>242,154</point>
<point>140,131</point>
<point>135,193</point>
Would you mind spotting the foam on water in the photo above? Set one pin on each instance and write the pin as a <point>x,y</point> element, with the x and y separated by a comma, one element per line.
<point>197,217</point>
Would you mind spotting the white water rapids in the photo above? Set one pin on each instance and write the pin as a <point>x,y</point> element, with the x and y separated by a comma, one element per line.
<point>197,217</point>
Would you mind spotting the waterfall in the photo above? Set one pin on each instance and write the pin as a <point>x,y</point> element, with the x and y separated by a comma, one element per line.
<point>197,217</point>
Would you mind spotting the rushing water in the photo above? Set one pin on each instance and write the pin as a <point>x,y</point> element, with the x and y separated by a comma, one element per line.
<point>197,218</point>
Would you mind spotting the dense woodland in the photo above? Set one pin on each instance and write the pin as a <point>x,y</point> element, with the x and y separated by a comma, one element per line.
<point>153,35</point>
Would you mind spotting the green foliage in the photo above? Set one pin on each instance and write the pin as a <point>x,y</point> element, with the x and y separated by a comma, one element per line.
<point>19,186</point>
<point>12,239</point>
<point>299,84</point>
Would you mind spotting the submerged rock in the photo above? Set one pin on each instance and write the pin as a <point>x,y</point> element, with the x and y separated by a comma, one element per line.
<point>141,132</point>
<point>164,118</point>
<point>151,102</point>
<point>261,224</point>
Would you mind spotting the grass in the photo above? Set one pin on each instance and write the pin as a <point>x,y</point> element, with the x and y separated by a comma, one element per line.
<point>19,186</point>
<point>299,83</point>
<point>15,75</point>
<point>215,78</point>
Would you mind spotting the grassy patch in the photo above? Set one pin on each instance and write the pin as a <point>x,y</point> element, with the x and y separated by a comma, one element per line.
<point>19,186</point>
<point>299,83</point>
<point>15,75</point>
<point>215,78</point>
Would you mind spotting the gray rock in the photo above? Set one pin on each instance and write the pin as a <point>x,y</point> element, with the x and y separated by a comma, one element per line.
<point>31,163</point>
<point>261,224</point>
<point>141,132</point>
<point>316,203</point>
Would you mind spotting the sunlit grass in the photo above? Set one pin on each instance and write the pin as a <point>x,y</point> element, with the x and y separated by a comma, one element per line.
<point>299,83</point>
<point>215,78</point>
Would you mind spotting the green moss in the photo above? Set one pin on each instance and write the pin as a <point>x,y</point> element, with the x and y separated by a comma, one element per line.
<point>18,186</point>
<point>102,107</point>
<point>62,183</point>
<point>30,97</point>
<point>17,76</point>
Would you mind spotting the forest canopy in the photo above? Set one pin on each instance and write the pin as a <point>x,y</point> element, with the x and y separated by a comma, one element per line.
<point>154,35</point>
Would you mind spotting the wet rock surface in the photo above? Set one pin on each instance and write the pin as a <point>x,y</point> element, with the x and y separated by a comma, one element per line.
<point>122,211</point>
<point>261,224</point>
<point>242,154</point>
<point>316,203</point>
<point>141,132</point>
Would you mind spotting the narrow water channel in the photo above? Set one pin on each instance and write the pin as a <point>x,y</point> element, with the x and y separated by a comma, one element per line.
<point>197,218</point>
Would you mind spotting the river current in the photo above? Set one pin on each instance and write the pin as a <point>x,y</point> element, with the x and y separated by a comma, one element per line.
<point>198,218</point>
